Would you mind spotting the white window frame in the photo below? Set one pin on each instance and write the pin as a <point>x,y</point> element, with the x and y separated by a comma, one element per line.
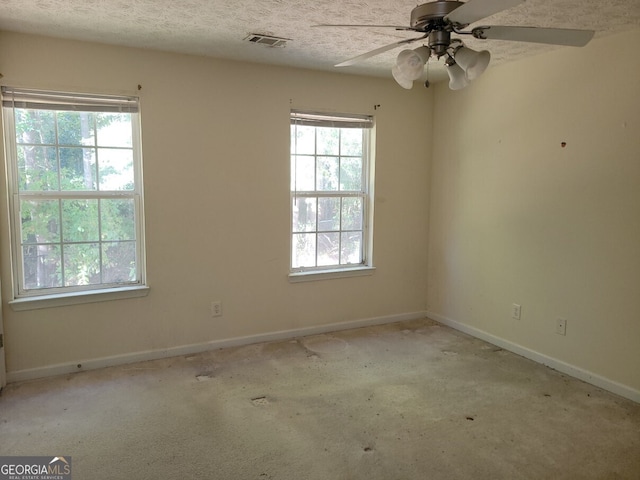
<point>25,299</point>
<point>321,119</point>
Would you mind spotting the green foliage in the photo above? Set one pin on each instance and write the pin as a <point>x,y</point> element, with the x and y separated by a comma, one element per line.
<point>327,230</point>
<point>75,241</point>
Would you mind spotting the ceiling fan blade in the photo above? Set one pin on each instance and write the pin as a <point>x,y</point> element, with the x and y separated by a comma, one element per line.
<point>377,51</point>
<point>397,27</point>
<point>551,36</point>
<point>475,10</point>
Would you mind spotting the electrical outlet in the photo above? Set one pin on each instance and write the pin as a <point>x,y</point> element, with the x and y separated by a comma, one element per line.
<point>561,326</point>
<point>515,311</point>
<point>216,308</point>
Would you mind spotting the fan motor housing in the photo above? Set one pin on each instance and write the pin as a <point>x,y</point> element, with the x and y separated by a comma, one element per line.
<point>439,41</point>
<point>432,14</point>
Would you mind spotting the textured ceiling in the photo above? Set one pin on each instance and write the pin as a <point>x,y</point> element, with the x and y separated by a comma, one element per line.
<point>217,28</point>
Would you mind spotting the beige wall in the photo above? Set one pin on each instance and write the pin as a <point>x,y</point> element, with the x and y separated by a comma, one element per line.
<point>216,167</point>
<point>516,218</point>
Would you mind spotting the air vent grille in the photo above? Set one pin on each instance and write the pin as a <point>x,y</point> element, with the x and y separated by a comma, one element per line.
<point>267,40</point>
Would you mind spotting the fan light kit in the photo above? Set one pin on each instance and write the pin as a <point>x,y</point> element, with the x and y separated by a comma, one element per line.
<point>438,20</point>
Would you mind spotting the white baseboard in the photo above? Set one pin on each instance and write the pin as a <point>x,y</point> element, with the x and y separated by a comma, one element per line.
<point>95,363</point>
<point>572,370</point>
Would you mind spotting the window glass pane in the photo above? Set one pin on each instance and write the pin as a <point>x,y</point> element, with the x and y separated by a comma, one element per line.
<point>351,248</point>
<point>37,168</point>
<point>115,169</point>
<point>303,251</point>
<point>76,128</point>
<point>71,229</point>
<point>304,173</point>
<point>351,142</point>
<point>328,141</point>
<point>329,194</point>
<point>352,213</point>
<point>328,249</point>
<point>41,266</point>
<point>35,127</point>
<point>117,219</point>
<point>78,168</point>
<point>327,173</point>
<point>40,221</point>
<point>303,140</point>
<point>80,221</point>
<point>304,214</point>
<point>118,262</point>
<point>351,174</point>
<point>114,130</point>
<point>81,264</point>
<point>328,214</point>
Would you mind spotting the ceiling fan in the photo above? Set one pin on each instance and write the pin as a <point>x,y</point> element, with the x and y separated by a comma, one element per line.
<point>438,20</point>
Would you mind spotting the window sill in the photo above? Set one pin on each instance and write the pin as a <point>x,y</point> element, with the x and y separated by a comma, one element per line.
<point>311,276</point>
<point>76,298</point>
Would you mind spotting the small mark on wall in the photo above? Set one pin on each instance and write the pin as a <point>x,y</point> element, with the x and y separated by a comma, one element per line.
<point>563,144</point>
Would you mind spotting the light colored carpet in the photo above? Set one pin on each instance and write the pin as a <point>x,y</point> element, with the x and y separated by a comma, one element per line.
<point>413,400</point>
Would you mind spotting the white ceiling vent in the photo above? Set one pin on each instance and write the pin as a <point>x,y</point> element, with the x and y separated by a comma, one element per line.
<point>266,40</point>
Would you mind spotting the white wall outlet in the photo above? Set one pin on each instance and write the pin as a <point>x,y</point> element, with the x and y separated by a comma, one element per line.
<point>515,311</point>
<point>216,308</point>
<point>561,326</point>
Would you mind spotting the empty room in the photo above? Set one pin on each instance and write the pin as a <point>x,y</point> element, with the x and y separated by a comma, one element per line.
<point>320,240</point>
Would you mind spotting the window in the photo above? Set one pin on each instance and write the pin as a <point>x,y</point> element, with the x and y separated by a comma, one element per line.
<point>331,205</point>
<point>75,191</point>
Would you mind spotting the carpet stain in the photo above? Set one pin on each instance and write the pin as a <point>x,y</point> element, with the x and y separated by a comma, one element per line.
<point>260,401</point>
<point>324,344</point>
